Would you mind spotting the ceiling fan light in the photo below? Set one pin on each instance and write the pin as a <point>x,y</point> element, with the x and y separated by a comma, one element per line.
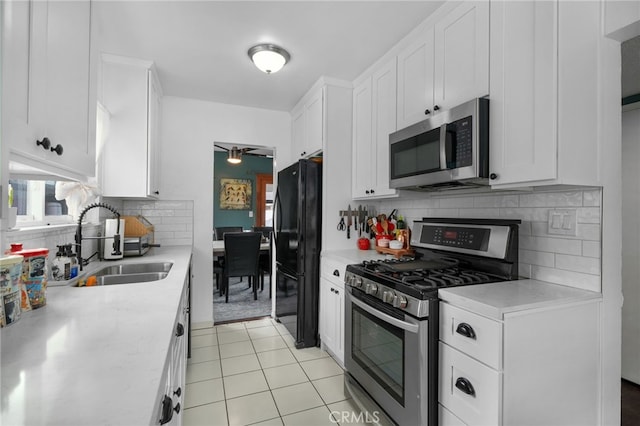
<point>269,58</point>
<point>235,156</point>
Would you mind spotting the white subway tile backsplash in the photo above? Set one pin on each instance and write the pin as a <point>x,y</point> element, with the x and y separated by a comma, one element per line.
<point>589,232</point>
<point>591,249</point>
<point>172,220</point>
<point>568,260</point>
<point>587,265</point>
<point>592,198</point>
<point>589,215</point>
<point>528,213</point>
<point>568,278</point>
<point>539,258</point>
<point>551,199</point>
<point>457,202</point>
<point>479,213</point>
<point>496,201</point>
<point>551,245</point>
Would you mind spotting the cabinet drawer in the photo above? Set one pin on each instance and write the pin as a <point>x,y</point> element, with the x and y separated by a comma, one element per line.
<point>328,268</point>
<point>472,334</point>
<point>469,389</point>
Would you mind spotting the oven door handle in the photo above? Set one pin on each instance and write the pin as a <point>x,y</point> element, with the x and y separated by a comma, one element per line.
<point>411,328</point>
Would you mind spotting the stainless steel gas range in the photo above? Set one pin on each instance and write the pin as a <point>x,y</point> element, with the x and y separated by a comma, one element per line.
<point>391,312</point>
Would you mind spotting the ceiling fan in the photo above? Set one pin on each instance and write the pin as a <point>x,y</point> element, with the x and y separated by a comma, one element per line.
<point>235,153</point>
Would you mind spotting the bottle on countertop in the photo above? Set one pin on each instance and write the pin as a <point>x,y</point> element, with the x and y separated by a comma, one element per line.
<point>73,260</point>
<point>61,265</point>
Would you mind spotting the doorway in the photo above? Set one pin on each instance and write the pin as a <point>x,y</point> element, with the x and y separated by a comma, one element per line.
<point>264,199</point>
<point>252,168</point>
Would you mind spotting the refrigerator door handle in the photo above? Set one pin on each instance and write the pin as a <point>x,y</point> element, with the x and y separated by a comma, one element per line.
<point>276,211</point>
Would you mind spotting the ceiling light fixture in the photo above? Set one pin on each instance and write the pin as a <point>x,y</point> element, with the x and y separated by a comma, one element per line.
<point>235,156</point>
<point>269,58</point>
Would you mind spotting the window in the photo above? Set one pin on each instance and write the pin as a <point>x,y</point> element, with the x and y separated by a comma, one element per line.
<point>37,204</point>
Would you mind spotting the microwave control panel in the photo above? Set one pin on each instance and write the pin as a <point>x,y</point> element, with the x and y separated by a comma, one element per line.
<point>459,143</point>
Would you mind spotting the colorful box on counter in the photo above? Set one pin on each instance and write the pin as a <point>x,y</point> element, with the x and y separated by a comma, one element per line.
<point>34,276</point>
<point>10,286</point>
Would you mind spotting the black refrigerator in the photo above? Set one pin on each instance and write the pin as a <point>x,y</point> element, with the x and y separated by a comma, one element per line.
<point>298,220</point>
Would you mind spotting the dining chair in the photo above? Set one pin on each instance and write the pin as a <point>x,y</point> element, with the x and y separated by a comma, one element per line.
<point>218,264</point>
<point>265,258</point>
<point>242,255</point>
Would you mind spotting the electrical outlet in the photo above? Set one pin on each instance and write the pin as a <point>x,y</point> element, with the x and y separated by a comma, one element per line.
<point>250,213</point>
<point>563,222</point>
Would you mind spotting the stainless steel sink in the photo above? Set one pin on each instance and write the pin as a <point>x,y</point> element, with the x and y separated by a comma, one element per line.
<point>128,273</point>
<point>130,278</point>
<point>134,268</point>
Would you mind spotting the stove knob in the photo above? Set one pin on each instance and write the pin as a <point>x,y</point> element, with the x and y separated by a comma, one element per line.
<point>388,296</point>
<point>357,282</point>
<point>371,288</point>
<point>399,302</point>
<point>348,280</point>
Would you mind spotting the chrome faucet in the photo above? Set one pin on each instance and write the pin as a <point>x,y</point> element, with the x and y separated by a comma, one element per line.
<point>79,238</point>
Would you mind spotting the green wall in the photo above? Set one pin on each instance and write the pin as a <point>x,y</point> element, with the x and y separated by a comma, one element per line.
<point>248,169</point>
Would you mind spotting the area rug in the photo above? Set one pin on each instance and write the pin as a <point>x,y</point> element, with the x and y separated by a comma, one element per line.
<point>241,305</point>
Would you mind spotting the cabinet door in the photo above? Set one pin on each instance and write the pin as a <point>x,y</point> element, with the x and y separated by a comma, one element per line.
<point>363,148</point>
<point>16,42</point>
<point>329,312</point>
<point>297,136</point>
<point>415,81</point>
<point>67,84</point>
<point>125,95</point>
<point>48,67</point>
<point>384,123</point>
<point>523,86</point>
<point>462,55</point>
<point>153,142</point>
<point>313,123</point>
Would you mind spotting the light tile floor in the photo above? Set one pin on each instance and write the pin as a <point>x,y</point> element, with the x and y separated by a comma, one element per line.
<point>250,373</point>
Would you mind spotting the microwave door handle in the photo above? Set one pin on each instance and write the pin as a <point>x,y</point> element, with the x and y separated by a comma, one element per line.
<point>411,328</point>
<point>443,147</point>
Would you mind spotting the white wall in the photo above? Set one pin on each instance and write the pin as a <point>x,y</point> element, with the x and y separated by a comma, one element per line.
<point>189,129</point>
<point>631,245</point>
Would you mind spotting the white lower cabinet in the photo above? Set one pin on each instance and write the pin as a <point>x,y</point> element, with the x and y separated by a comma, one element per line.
<point>533,366</point>
<point>170,400</point>
<point>332,307</point>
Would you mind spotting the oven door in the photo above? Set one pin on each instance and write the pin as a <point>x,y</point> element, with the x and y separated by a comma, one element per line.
<point>386,353</point>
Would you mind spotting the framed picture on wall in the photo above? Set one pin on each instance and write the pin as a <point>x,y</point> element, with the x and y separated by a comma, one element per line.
<point>235,194</point>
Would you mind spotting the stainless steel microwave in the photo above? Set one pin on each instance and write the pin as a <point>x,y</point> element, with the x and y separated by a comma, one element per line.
<point>447,150</point>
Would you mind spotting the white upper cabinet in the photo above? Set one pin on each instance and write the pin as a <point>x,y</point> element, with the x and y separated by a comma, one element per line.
<point>447,66</point>
<point>544,124</point>
<point>415,81</point>
<point>523,78</point>
<point>462,55</point>
<point>131,94</point>
<point>47,81</point>
<point>308,122</point>
<point>374,118</point>
<point>363,152</point>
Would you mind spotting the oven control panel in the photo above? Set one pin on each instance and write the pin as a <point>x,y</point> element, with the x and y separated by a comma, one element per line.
<point>486,240</point>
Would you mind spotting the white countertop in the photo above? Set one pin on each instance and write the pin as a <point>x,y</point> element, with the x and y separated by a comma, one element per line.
<point>496,300</point>
<point>94,355</point>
